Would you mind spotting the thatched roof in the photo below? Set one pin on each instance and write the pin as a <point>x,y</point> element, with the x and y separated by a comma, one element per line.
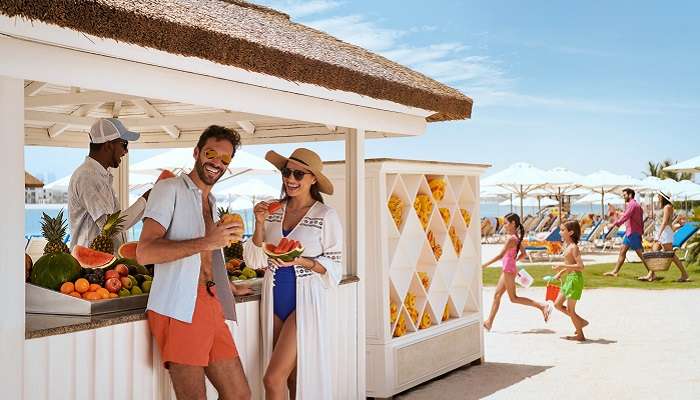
<point>252,37</point>
<point>30,181</point>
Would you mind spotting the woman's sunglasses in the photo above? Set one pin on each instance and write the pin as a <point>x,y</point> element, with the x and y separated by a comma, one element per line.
<point>298,174</point>
<point>212,154</point>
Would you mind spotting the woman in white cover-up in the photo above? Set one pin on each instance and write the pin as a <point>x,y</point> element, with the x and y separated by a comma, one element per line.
<point>294,294</point>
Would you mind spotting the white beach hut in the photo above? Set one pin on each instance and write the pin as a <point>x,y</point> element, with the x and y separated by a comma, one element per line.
<point>152,64</point>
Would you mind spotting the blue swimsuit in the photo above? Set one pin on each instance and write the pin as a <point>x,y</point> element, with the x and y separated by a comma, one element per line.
<point>285,289</point>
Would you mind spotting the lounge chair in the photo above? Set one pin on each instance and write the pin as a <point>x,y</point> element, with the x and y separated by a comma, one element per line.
<point>683,234</point>
<point>553,236</point>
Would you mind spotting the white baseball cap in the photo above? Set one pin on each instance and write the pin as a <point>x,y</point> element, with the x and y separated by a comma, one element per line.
<point>106,129</point>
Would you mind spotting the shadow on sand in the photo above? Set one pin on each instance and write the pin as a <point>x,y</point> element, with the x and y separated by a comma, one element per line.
<point>472,382</point>
<point>599,341</point>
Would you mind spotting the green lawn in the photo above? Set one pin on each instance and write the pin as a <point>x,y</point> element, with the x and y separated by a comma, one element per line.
<point>593,277</point>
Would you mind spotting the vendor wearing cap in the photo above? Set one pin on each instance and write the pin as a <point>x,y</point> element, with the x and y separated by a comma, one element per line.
<point>91,196</point>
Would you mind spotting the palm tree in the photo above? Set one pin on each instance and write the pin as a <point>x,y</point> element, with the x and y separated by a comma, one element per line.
<point>657,170</point>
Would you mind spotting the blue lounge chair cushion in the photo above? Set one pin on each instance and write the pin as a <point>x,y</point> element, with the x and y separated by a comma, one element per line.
<point>684,233</point>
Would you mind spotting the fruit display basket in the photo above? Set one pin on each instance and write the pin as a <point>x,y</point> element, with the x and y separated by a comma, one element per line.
<point>40,300</point>
<point>423,274</point>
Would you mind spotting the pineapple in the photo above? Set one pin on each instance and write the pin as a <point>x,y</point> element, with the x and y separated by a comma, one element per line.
<point>103,242</point>
<point>235,250</point>
<point>54,230</point>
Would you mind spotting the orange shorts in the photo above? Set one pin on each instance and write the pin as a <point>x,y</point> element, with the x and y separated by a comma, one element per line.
<point>207,339</point>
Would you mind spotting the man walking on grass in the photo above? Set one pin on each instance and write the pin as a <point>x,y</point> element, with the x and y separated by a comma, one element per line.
<point>633,218</point>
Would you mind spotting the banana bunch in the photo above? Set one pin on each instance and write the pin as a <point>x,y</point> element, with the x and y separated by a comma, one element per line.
<point>445,214</point>
<point>437,248</point>
<point>410,303</point>
<point>424,279</point>
<point>423,207</point>
<point>393,311</point>
<point>437,186</point>
<point>396,209</point>
<point>456,242</point>
<point>446,313</point>
<point>426,321</point>
<point>400,329</point>
<point>466,216</point>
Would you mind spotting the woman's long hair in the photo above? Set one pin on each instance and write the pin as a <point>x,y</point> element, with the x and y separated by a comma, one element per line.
<point>520,230</point>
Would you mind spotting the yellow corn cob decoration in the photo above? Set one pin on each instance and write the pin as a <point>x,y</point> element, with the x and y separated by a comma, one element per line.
<point>424,278</point>
<point>466,216</point>
<point>456,241</point>
<point>400,329</point>
<point>446,313</point>
<point>396,209</point>
<point>393,311</point>
<point>410,303</point>
<point>423,207</point>
<point>437,186</point>
<point>437,249</point>
<point>445,214</point>
<point>426,321</point>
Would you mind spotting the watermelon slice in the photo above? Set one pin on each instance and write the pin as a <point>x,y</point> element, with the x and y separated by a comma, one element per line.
<point>166,174</point>
<point>274,206</point>
<point>128,250</point>
<point>89,258</point>
<point>277,252</point>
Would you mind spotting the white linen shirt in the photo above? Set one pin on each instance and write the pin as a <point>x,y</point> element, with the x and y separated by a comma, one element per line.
<point>176,204</point>
<point>91,196</point>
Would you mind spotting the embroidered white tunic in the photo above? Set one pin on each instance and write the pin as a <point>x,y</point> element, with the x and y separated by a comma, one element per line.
<point>321,234</point>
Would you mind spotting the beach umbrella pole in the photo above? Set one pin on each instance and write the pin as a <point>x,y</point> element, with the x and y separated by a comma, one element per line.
<point>521,201</point>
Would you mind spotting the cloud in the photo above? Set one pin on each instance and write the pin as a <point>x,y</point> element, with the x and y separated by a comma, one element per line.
<point>356,29</point>
<point>300,9</point>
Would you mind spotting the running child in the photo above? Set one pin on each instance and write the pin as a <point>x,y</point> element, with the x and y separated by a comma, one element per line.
<point>571,269</point>
<point>512,251</point>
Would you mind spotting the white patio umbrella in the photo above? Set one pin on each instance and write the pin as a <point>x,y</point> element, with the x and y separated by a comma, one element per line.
<point>136,182</point>
<point>181,160</point>
<point>254,189</point>
<point>608,198</point>
<point>563,182</point>
<point>692,166</point>
<point>534,202</point>
<point>602,182</point>
<point>520,179</point>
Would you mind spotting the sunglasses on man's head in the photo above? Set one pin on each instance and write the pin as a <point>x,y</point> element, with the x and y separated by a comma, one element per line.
<point>212,154</point>
<point>298,174</point>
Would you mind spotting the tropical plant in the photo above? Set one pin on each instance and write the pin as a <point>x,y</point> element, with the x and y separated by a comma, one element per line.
<point>657,169</point>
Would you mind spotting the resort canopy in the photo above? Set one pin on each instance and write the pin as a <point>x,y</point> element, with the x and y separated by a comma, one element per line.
<point>692,166</point>
<point>520,179</point>
<point>232,40</point>
<point>30,181</point>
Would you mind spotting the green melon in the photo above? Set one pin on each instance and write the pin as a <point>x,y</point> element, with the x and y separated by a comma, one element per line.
<point>89,258</point>
<point>286,256</point>
<point>52,270</point>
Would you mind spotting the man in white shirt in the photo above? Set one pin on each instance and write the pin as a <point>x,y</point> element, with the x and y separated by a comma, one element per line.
<point>91,196</point>
<point>191,294</point>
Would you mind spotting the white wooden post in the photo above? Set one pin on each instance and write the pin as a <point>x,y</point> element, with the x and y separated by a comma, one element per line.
<point>121,186</point>
<point>355,242</point>
<point>12,236</point>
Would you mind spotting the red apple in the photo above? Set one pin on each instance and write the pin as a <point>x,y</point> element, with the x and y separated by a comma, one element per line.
<point>122,269</point>
<point>113,285</point>
<point>126,283</point>
<point>111,274</point>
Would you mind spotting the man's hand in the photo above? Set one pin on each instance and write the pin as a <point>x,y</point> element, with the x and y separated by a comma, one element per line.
<point>240,290</point>
<point>219,236</point>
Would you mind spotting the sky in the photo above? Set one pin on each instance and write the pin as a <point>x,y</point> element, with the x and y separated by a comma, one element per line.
<point>582,85</point>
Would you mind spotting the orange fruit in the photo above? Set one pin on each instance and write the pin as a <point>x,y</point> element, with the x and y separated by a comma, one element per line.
<point>104,293</point>
<point>75,294</point>
<point>67,288</point>
<point>82,285</point>
<point>92,296</point>
<point>93,287</point>
<point>113,295</point>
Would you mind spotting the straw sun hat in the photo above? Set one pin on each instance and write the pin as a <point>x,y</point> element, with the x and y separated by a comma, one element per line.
<point>309,160</point>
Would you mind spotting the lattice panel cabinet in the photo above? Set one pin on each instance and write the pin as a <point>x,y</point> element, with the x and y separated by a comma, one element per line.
<point>422,274</point>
